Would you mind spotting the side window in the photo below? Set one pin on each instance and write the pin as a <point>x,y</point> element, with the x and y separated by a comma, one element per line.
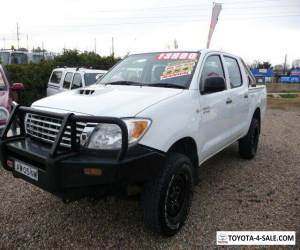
<point>212,67</point>
<point>67,80</point>
<point>56,77</point>
<point>2,81</point>
<point>77,81</point>
<point>234,72</point>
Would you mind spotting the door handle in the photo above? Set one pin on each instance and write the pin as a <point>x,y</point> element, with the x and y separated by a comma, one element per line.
<point>228,101</point>
<point>246,96</point>
<point>206,109</point>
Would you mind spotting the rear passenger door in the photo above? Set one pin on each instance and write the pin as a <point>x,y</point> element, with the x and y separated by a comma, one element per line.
<point>77,81</point>
<point>238,94</point>
<point>67,80</point>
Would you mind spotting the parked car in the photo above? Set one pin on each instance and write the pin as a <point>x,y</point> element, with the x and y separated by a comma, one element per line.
<point>146,126</point>
<point>6,96</point>
<point>63,79</point>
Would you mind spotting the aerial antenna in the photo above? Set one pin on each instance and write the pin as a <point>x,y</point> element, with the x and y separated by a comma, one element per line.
<point>112,47</point>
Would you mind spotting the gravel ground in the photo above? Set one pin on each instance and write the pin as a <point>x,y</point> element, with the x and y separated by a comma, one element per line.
<point>234,194</point>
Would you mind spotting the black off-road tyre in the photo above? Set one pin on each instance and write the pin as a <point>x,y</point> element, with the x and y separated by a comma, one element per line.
<point>166,200</point>
<point>249,143</point>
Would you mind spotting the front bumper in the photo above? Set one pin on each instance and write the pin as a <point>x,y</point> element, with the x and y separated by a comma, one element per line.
<point>63,173</point>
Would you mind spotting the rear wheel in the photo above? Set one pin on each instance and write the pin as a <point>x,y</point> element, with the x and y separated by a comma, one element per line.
<point>248,144</point>
<point>167,199</point>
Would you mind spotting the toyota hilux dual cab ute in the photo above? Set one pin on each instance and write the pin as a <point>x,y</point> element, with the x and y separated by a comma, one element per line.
<point>147,125</point>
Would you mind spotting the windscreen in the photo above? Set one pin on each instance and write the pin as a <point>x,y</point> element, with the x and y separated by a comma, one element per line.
<point>154,69</point>
<point>91,78</point>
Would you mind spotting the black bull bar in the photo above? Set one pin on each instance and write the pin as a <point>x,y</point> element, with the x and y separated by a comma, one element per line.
<point>68,119</point>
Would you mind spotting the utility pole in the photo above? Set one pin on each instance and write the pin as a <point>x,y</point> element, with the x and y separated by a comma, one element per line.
<point>95,45</point>
<point>43,49</point>
<point>4,43</point>
<point>27,42</point>
<point>175,44</point>
<point>284,65</point>
<point>112,47</point>
<point>18,36</point>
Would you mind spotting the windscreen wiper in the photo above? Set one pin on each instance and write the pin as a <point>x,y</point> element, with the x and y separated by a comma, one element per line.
<point>166,85</point>
<point>124,83</point>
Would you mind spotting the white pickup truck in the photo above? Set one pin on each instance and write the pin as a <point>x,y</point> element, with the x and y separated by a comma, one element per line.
<point>146,126</point>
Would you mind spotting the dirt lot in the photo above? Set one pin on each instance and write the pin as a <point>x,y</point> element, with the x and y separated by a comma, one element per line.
<point>285,103</point>
<point>234,194</point>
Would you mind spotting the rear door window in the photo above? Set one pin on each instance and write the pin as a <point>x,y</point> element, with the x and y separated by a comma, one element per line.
<point>68,80</point>
<point>234,72</point>
<point>77,81</point>
<point>56,77</point>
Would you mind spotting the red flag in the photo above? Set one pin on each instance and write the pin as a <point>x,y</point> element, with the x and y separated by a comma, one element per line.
<point>214,19</point>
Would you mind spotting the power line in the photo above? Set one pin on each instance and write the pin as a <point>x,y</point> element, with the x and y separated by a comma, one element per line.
<point>288,12</point>
<point>202,6</point>
<point>224,18</point>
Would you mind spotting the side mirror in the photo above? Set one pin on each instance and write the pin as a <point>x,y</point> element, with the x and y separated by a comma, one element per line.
<point>214,84</point>
<point>17,87</point>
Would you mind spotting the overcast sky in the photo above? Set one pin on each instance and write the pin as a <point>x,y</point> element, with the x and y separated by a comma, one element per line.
<point>256,30</point>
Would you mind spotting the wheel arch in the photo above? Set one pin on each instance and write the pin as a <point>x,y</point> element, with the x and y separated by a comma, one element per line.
<point>188,147</point>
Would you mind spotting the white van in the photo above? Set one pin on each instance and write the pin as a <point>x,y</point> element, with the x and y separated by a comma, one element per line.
<point>62,79</point>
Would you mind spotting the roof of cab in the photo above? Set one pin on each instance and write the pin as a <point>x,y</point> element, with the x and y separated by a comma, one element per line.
<point>202,51</point>
<point>80,70</point>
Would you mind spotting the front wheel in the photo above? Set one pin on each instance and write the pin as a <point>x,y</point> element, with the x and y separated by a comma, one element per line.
<point>249,143</point>
<point>167,199</point>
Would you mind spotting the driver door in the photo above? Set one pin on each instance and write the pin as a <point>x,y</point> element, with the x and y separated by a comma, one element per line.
<point>215,110</point>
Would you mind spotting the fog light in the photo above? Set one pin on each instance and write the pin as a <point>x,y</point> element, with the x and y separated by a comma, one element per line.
<point>92,171</point>
<point>10,163</point>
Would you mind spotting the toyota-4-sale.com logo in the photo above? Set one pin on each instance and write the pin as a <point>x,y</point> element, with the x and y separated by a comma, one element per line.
<point>256,238</point>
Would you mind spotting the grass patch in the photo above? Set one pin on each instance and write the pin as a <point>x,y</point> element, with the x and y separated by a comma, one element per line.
<point>288,95</point>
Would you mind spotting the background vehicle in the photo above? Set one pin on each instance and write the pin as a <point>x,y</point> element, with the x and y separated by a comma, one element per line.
<point>13,57</point>
<point>63,79</point>
<point>6,96</point>
<point>23,57</point>
<point>148,124</point>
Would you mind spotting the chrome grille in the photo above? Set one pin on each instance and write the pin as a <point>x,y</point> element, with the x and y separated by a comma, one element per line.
<point>46,128</point>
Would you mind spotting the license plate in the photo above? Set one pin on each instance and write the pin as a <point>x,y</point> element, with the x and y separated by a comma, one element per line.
<point>25,169</point>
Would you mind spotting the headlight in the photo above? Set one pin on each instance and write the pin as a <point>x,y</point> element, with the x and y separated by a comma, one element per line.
<point>3,116</point>
<point>109,136</point>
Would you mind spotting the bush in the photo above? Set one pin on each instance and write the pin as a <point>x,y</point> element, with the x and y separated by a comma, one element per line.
<point>35,76</point>
<point>288,95</point>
